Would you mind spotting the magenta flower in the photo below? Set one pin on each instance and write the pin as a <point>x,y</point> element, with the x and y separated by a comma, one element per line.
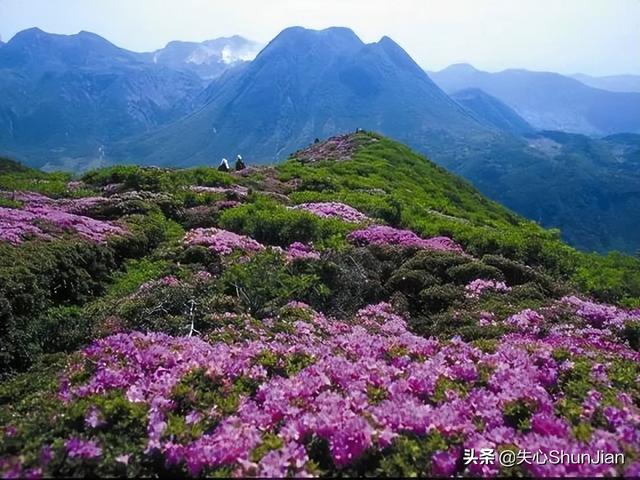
<point>384,235</point>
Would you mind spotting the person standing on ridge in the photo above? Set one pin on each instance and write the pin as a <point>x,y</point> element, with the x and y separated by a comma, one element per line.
<point>224,166</point>
<point>239,163</point>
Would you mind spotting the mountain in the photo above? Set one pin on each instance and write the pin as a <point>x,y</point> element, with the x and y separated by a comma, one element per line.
<point>310,84</point>
<point>208,59</point>
<point>613,83</point>
<point>306,84</point>
<point>549,101</point>
<point>74,102</point>
<point>64,97</point>
<point>491,110</point>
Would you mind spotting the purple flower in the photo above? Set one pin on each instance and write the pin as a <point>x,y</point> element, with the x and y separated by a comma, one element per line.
<point>300,251</point>
<point>444,463</point>
<point>334,210</point>
<point>384,235</point>
<point>79,448</point>
<point>221,241</point>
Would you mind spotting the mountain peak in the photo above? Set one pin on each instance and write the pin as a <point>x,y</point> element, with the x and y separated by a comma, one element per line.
<point>461,68</point>
<point>296,33</point>
<point>298,42</point>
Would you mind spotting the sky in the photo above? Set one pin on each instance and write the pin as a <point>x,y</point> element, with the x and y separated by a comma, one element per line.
<point>597,37</point>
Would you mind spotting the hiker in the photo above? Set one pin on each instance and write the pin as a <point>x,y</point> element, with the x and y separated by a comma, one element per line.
<point>224,166</point>
<point>239,163</point>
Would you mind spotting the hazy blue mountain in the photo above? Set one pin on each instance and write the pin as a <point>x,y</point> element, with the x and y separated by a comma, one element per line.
<point>64,97</point>
<point>549,101</point>
<point>491,110</point>
<point>613,83</point>
<point>306,84</point>
<point>208,59</point>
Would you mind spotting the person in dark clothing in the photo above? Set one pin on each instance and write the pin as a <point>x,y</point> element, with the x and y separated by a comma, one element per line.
<point>224,166</point>
<point>239,163</point>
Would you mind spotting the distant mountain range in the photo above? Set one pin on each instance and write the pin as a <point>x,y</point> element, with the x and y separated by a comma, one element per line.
<point>549,101</point>
<point>613,83</point>
<point>79,101</point>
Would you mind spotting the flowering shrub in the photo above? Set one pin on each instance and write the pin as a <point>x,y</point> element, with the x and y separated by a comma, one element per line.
<point>475,288</point>
<point>300,251</point>
<point>384,235</point>
<point>258,405</point>
<point>39,212</point>
<point>334,210</point>
<point>221,241</point>
<point>600,315</point>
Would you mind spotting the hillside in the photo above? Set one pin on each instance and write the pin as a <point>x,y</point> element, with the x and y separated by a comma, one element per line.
<point>354,311</point>
<point>491,110</point>
<point>550,101</point>
<point>309,84</point>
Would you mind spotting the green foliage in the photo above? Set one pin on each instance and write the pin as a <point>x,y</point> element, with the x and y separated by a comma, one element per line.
<point>631,333</point>
<point>173,308</point>
<point>611,278</point>
<point>270,223</point>
<point>410,456</point>
<point>134,273</point>
<point>266,282</point>
<point>463,274</point>
<point>155,179</point>
<point>440,297</point>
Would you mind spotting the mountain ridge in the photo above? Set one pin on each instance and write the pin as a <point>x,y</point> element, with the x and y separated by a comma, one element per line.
<point>548,100</point>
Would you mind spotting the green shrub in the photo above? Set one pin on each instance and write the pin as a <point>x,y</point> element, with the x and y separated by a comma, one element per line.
<point>440,297</point>
<point>435,262</point>
<point>266,282</point>
<point>270,223</point>
<point>411,282</point>
<point>463,274</point>
<point>631,333</point>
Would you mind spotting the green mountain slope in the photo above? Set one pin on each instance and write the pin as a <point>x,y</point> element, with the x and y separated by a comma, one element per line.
<point>168,317</point>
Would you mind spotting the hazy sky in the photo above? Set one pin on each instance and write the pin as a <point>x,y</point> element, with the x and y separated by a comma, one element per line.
<point>598,37</point>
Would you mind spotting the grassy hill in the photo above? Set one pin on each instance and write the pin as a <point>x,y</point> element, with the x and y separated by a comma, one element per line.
<point>355,310</point>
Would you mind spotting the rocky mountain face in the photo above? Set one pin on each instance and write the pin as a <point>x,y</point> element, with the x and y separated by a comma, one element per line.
<point>208,59</point>
<point>549,101</point>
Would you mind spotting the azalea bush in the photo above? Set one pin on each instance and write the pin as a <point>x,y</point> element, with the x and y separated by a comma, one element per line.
<point>363,316</point>
<point>306,394</point>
